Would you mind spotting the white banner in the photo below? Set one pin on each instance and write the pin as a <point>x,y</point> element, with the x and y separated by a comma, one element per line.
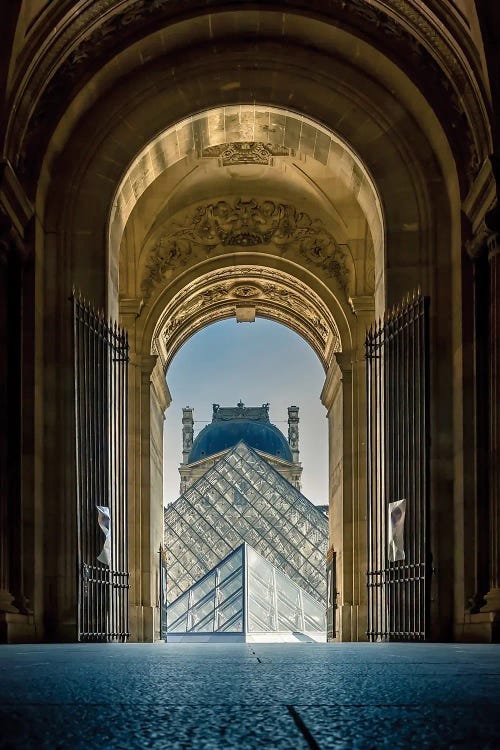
<point>397,513</point>
<point>104,521</point>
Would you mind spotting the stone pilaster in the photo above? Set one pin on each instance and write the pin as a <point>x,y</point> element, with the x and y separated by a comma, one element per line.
<point>493,595</point>
<point>337,398</point>
<point>16,212</point>
<point>481,527</point>
<point>363,307</point>
<point>149,397</point>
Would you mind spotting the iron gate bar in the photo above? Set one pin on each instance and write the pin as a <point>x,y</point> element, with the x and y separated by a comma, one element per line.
<point>100,378</point>
<point>397,382</point>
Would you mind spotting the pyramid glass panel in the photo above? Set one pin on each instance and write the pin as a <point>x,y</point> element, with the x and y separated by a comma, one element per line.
<point>245,596</point>
<point>242,498</point>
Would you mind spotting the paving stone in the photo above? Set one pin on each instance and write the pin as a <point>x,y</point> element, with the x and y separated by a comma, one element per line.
<point>205,696</point>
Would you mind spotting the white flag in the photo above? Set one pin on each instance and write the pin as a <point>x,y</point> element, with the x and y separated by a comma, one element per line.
<point>397,513</point>
<point>104,521</point>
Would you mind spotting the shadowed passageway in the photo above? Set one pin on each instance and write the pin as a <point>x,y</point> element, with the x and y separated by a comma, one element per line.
<point>205,696</point>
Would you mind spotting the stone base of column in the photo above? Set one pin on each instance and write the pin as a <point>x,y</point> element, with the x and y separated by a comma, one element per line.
<point>492,601</point>
<point>351,622</point>
<point>6,600</point>
<point>16,628</point>
<point>482,627</point>
<point>142,622</point>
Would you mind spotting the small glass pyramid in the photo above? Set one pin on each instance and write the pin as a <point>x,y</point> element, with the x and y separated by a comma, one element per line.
<point>245,598</point>
<point>242,498</point>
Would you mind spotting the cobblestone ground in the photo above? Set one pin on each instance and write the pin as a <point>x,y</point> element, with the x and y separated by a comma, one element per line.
<point>207,696</point>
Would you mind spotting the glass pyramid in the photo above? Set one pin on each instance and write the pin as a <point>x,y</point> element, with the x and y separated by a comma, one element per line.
<point>245,598</point>
<point>242,498</point>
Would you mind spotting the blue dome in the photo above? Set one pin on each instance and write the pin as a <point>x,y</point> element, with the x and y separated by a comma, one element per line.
<point>219,436</point>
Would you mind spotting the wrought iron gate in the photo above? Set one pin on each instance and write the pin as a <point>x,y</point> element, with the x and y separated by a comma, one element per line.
<point>100,376</point>
<point>397,371</point>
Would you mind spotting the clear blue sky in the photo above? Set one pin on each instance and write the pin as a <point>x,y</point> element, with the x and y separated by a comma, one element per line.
<point>256,362</point>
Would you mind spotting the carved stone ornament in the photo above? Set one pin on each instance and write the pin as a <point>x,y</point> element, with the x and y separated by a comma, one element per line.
<point>275,295</point>
<point>246,223</point>
<point>245,152</point>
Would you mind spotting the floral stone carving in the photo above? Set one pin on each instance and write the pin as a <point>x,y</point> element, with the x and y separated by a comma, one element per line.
<point>246,223</point>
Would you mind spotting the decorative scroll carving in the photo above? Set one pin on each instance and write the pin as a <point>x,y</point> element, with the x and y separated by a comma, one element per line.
<point>245,152</point>
<point>246,223</point>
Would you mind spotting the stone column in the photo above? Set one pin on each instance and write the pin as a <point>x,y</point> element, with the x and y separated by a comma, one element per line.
<point>149,397</point>
<point>493,595</point>
<point>337,398</point>
<point>363,307</point>
<point>6,596</point>
<point>16,623</point>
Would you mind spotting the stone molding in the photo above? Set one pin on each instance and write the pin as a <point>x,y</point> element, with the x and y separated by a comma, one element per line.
<point>131,306</point>
<point>340,366</point>
<point>362,304</point>
<point>16,212</point>
<point>160,386</point>
<point>274,294</point>
<point>245,222</point>
<point>76,43</point>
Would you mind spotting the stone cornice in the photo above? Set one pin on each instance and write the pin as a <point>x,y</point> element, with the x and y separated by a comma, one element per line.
<point>340,368</point>
<point>362,304</point>
<point>405,30</point>
<point>160,386</point>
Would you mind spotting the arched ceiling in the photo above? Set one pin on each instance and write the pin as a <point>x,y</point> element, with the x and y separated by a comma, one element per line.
<point>273,132</point>
<point>73,46</point>
<point>332,64</point>
<point>247,176</point>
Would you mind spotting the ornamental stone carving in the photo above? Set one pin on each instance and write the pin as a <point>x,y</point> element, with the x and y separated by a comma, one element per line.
<point>246,223</point>
<point>273,294</point>
<point>245,152</point>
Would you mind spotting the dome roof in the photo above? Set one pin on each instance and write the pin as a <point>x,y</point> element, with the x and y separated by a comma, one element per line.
<point>219,436</point>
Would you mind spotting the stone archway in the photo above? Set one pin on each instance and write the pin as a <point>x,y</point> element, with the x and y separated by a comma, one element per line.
<point>248,286</point>
<point>245,228</point>
<point>353,89</point>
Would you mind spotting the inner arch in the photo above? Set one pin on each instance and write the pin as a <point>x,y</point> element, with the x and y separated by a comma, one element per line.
<point>246,291</point>
<point>284,132</point>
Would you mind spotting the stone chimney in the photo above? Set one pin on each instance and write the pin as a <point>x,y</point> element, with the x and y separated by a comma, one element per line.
<point>293,431</point>
<point>187,432</point>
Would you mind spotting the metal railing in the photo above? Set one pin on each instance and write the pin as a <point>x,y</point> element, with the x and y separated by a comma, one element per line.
<point>397,372</point>
<point>100,379</point>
